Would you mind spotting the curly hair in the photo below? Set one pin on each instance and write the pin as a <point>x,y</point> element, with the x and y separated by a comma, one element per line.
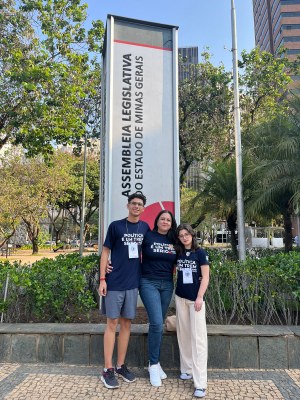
<point>137,195</point>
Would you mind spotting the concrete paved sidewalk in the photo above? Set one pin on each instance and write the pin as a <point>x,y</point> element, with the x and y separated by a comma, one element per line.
<point>54,381</point>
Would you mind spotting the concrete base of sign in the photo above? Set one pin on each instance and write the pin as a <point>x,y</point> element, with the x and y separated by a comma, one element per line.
<point>230,346</point>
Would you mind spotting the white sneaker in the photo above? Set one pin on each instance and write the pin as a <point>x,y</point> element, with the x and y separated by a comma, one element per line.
<point>185,376</point>
<point>200,393</point>
<point>162,373</point>
<point>154,372</point>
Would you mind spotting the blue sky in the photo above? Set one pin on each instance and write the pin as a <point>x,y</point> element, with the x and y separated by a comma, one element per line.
<point>201,22</point>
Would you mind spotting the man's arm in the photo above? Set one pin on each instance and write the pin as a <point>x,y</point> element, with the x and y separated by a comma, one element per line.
<point>103,263</point>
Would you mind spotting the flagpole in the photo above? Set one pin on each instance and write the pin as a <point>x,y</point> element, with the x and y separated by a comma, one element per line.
<point>238,145</point>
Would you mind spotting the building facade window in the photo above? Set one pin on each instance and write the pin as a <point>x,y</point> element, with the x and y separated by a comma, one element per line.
<point>287,39</point>
<point>287,2</point>
<point>290,27</point>
<point>293,51</point>
<point>290,14</point>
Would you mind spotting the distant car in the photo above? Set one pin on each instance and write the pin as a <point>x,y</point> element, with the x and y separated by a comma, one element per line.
<point>92,243</point>
<point>50,242</point>
<point>75,243</point>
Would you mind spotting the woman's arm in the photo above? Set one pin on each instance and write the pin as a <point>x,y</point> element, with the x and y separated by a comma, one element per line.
<point>203,286</point>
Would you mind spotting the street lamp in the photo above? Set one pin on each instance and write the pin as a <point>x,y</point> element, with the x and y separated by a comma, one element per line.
<point>238,146</point>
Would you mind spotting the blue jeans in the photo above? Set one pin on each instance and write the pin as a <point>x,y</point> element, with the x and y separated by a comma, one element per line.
<point>156,295</point>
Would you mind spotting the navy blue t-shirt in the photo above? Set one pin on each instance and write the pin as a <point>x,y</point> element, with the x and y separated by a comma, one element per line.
<point>126,271</point>
<point>193,260</point>
<point>158,256</point>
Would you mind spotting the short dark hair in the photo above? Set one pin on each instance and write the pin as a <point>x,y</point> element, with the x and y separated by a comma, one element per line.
<point>138,195</point>
<point>172,231</point>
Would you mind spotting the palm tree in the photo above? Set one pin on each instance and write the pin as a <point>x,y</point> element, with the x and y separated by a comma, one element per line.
<point>274,148</point>
<point>219,196</point>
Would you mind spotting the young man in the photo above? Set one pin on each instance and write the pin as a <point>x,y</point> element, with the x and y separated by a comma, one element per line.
<point>119,288</point>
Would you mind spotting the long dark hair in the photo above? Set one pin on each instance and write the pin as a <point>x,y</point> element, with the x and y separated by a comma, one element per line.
<point>179,246</point>
<point>171,235</point>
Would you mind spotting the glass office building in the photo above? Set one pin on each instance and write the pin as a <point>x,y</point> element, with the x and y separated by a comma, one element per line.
<point>277,24</point>
<point>187,56</point>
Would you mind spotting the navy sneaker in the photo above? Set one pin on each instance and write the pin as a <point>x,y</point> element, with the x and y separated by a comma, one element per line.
<point>109,379</point>
<point>125,374</point>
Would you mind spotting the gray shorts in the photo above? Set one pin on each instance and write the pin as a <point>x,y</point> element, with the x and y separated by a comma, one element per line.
<point>120,303</point>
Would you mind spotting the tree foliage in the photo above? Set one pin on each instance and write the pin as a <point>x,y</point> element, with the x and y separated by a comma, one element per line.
<point>270,136</point>
<point>204,117</point>
<point>219,196</point>
<point>28,183</point>
<point>264,82</point>
<point>41,191</point>
<point>275,154</point>
<point>46,76</point>
<point>73,200</point>
<point>10,215</point>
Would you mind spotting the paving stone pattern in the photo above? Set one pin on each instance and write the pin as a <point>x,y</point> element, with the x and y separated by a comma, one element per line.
<point>64,382</point>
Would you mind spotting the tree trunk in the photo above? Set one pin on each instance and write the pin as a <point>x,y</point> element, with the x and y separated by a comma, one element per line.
<point>57,224</point>
<point>288,236</point>
<point>6,238</point>
<point>231,225</point>
<point>33,233</point>
<point>35,246</point>
<point>199,220</point>
<point>183,171</point>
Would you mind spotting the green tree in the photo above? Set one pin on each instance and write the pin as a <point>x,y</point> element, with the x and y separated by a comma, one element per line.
<point>204,115</point>
<point>46,73</point>
<point>58,180</point>
<point>73,199</point>
<point>264,82</point>
<point>10,212</point>
<point>40,191</point>
<point>219,196</point>
<point>29,194</point>
<point>191,210</point>
<point>275,154</point>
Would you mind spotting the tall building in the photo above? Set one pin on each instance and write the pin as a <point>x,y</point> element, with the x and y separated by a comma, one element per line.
<point>276,24</point>
<point>188,56</point>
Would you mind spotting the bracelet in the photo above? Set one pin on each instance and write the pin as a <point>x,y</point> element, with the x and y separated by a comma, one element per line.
<point>102,279</point>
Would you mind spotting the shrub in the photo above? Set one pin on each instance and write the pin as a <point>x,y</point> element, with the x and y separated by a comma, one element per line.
<point>255,291</point>
<point>51,290</point>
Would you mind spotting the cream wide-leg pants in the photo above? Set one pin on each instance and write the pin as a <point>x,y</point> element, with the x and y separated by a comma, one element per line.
<point>192,340</point>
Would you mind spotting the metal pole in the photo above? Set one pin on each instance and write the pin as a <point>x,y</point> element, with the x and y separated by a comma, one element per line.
<point>5,294</point>
<point>83,199</point>
<point>238,146</point>
<point>298,229</point>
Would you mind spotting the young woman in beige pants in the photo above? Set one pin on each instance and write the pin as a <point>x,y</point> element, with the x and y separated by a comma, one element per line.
<point>192,282</point>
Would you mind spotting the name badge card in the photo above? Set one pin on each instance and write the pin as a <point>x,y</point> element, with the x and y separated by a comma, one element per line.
<point>133,251</point>
<point>187,275</point>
